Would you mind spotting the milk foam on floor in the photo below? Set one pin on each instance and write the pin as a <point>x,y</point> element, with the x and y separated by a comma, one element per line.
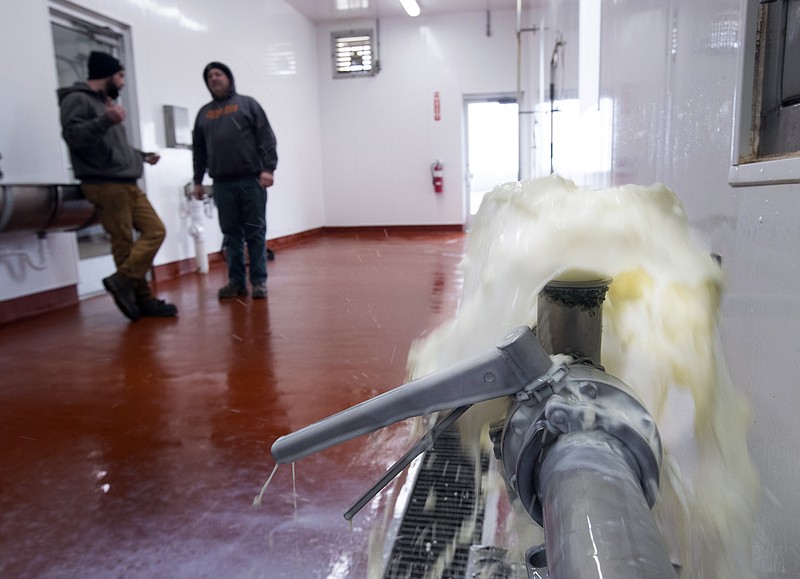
<point>659,337</point>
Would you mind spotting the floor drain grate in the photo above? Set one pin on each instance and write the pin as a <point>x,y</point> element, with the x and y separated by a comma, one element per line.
<point>442,503</point>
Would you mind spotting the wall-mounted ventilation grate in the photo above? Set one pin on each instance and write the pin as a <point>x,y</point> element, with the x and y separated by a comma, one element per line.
<point>443,504</point>
<point>353,54</point>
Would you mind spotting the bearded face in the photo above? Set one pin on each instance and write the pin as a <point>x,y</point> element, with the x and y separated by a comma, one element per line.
<point>111,89</point>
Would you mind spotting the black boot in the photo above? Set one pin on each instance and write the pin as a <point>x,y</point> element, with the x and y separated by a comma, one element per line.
<point>155,308</point>
<point>123,290</point>
<point>150,306</point>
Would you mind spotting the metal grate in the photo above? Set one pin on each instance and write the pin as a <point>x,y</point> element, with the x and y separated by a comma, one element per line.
<point>442,502</point>
<point>353,54</point>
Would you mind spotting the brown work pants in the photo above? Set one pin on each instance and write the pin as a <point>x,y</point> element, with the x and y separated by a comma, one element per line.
<point>121,208</point>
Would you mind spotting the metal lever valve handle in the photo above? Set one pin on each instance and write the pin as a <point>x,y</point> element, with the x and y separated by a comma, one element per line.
<point>513,365</point>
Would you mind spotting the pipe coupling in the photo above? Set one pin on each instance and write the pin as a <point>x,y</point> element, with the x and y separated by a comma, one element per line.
<point>585,399</point>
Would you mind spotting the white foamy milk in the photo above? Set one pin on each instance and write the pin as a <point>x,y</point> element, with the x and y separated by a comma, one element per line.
<point>659,337</point>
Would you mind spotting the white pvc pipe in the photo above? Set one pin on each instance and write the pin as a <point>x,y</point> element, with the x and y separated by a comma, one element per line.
<point>196,230</point>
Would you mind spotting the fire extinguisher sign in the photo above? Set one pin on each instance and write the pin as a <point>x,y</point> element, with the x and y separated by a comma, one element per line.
<point>437,107</point>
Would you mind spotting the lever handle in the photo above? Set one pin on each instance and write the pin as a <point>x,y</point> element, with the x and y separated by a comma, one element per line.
<point>503,371</point>
<point>425,443</point>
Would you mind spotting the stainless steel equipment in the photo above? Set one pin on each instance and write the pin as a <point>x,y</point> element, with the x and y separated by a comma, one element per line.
<point>577,447</point>
<point>41,208</point>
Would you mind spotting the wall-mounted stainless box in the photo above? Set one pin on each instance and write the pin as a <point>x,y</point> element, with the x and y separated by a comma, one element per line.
<point>177,127</point>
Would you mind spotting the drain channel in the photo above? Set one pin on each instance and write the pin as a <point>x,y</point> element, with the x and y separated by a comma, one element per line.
<point>443,505</point>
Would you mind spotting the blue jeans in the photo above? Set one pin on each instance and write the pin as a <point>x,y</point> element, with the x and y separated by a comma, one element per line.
<point>242,206</point>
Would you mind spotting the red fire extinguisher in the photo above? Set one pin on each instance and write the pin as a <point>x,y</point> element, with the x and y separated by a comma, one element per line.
<point>437,172</point>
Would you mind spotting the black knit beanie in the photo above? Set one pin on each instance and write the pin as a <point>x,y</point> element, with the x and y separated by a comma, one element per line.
<point>102,65</point>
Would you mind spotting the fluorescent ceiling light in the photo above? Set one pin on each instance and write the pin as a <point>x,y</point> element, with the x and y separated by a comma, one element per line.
<point>351,4</point>
<point>411,7</point>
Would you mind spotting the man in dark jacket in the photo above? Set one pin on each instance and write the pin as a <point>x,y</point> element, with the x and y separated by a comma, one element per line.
<point>234,142</point>
<point>108,168</point>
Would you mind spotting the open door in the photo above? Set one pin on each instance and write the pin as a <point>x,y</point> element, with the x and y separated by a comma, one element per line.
<point>492,124</point>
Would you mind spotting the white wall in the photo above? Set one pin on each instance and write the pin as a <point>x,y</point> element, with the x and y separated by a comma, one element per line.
<point>379,134</point>
<point>672,70</point>
<point>273,56</point>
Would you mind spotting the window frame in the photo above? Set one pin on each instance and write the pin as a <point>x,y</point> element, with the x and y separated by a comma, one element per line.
<point>747,169</point>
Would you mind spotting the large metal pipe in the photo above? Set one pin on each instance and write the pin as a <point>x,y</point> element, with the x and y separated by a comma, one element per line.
<point>597,522</point>
<point>40,208</point>
<point>570,317</point>
<point>585,460</point>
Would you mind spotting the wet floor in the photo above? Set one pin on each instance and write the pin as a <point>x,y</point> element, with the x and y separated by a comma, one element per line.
<point>136,449</point>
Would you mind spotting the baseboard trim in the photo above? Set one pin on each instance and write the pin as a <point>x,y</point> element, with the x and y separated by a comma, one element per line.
<point>35,304</point>
<point>399,230</point>
<point>181,267</point>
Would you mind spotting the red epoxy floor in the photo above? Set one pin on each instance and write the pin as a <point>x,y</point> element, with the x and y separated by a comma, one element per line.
<point>136,449</point>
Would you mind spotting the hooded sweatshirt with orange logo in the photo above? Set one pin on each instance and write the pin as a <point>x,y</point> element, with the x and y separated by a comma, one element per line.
<point>232,136</point>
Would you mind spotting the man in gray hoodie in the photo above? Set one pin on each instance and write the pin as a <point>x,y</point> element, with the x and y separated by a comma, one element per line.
<point>108,168</point>
<point>234,142</point>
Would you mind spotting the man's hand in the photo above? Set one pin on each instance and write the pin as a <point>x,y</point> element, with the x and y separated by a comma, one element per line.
<point>151,158</point>
<point>115,112</point>
<point>199,192</point>
<point>266,179</point>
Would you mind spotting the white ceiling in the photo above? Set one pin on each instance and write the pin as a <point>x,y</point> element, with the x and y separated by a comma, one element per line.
<point>325,10</point>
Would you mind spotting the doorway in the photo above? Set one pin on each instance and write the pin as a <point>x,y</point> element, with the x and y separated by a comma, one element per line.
<point>492,127</point>
<point>75,35</point>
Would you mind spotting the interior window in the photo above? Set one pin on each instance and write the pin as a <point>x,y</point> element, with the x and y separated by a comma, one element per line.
<point>776,128</point>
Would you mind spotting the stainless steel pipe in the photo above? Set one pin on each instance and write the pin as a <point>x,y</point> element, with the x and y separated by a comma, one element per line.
<point>597,522</point>
<point>40,208</point>
<point>584,460</point>
<point>570,317</point>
